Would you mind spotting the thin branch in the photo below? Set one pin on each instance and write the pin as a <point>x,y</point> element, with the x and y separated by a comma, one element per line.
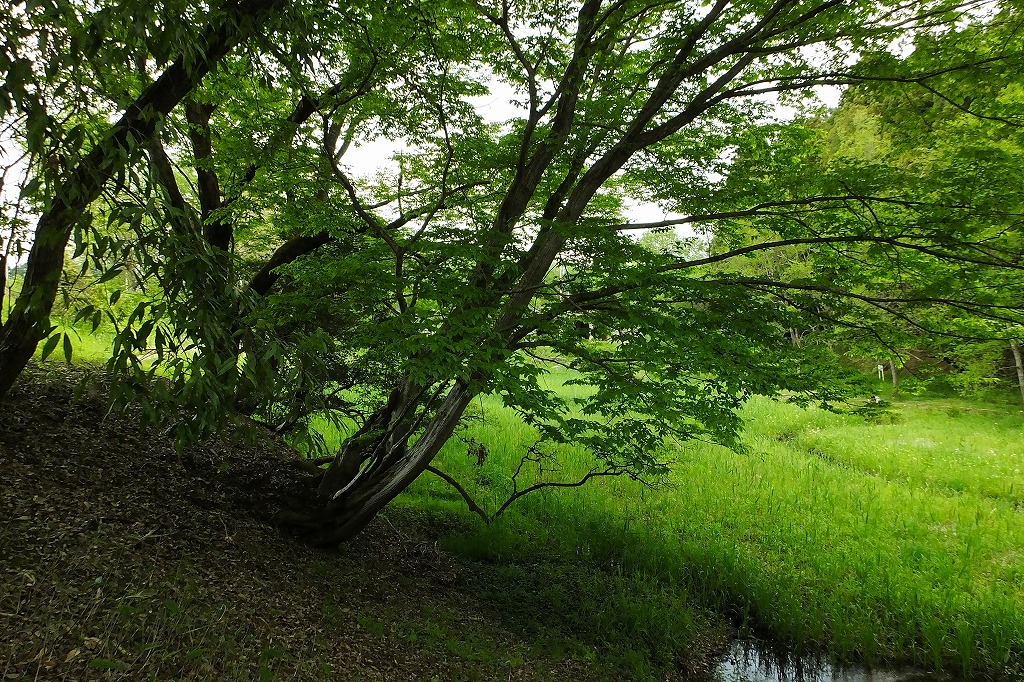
<point>576,300</point>
<point>470,502</point>
<point>763,210</point>
<point>610,471</point>
<point>882,302</point>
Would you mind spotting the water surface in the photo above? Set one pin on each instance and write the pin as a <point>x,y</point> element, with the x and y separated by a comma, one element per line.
<point>750,661</point>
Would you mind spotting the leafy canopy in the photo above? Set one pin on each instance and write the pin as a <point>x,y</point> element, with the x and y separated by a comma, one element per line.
<point>286,285</point>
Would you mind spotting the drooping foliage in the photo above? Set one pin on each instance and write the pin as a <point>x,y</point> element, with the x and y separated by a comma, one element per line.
<point>285,283</point>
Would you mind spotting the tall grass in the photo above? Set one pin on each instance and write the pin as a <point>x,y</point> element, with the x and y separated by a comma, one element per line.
<point>877,541</point>
<point>899,542</point>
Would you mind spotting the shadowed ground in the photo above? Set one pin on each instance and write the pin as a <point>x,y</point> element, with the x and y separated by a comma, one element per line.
<point>121,559</point>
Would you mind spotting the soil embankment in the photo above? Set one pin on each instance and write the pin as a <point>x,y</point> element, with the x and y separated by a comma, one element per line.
<point>123,559</point>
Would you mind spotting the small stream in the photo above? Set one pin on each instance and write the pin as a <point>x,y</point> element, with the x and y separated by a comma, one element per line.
<point>749,661</point>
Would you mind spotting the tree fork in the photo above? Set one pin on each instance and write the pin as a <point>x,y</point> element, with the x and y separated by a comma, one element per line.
<point>341,518</point>
<point>376,433</point>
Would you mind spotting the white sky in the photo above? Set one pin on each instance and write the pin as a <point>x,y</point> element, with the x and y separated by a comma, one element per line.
<point>498,106</point>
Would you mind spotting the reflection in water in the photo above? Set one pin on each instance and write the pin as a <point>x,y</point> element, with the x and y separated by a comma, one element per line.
<point>748,662</point>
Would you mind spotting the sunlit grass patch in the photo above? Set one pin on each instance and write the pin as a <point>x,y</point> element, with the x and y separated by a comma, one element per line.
<point>87,347</point>
<point>884,542</point>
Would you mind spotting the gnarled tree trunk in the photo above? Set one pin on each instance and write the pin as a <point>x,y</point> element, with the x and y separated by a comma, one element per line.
<point>376,464</point>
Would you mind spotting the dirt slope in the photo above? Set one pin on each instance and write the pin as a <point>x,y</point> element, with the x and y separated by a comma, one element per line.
<point>120,559</point>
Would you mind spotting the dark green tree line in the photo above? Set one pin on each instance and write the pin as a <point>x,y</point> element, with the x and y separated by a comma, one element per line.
<point>960,141</point>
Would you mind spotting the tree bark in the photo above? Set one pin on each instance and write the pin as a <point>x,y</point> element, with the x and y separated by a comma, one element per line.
<point>29,322</point>
<point>341,513</point>
<point>3,279</point>
<point>1015,347</point>
<point>218,232</point>
<point>895,378</point>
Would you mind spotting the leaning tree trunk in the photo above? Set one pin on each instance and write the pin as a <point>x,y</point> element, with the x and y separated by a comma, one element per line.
<point>29,322</point>
<point>1015,347</point>
<point>375,465</point>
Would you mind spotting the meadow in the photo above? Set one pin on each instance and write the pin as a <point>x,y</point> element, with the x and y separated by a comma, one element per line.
<point>894,538</point>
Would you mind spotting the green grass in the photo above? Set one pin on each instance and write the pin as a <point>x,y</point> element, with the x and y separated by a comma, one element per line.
<point>895,540</point>
<point>878,541</point>
<point>887,542</point>
<point>88,347</point>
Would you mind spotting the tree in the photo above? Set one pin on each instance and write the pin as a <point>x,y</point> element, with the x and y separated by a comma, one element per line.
<point>58,54</point>
<point>959,141</point>
<point>292,288</point>
<point>1018,365</point>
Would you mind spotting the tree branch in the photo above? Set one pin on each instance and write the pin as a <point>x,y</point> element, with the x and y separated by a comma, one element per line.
<point>164,171</point>
<point>198,117</point>
<point>288,252</point>
<point>611,471</point>
<point>576,300</point>
<point>473,506</point>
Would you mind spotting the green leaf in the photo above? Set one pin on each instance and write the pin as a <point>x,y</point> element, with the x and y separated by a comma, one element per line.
<point>50,345</point>
<point>84,313</point>
<point>107,664</point>
<point>68,349</point>
<point>110,274</point>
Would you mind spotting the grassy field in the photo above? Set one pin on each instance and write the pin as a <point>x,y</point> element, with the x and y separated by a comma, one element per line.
<point>898,539</point>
